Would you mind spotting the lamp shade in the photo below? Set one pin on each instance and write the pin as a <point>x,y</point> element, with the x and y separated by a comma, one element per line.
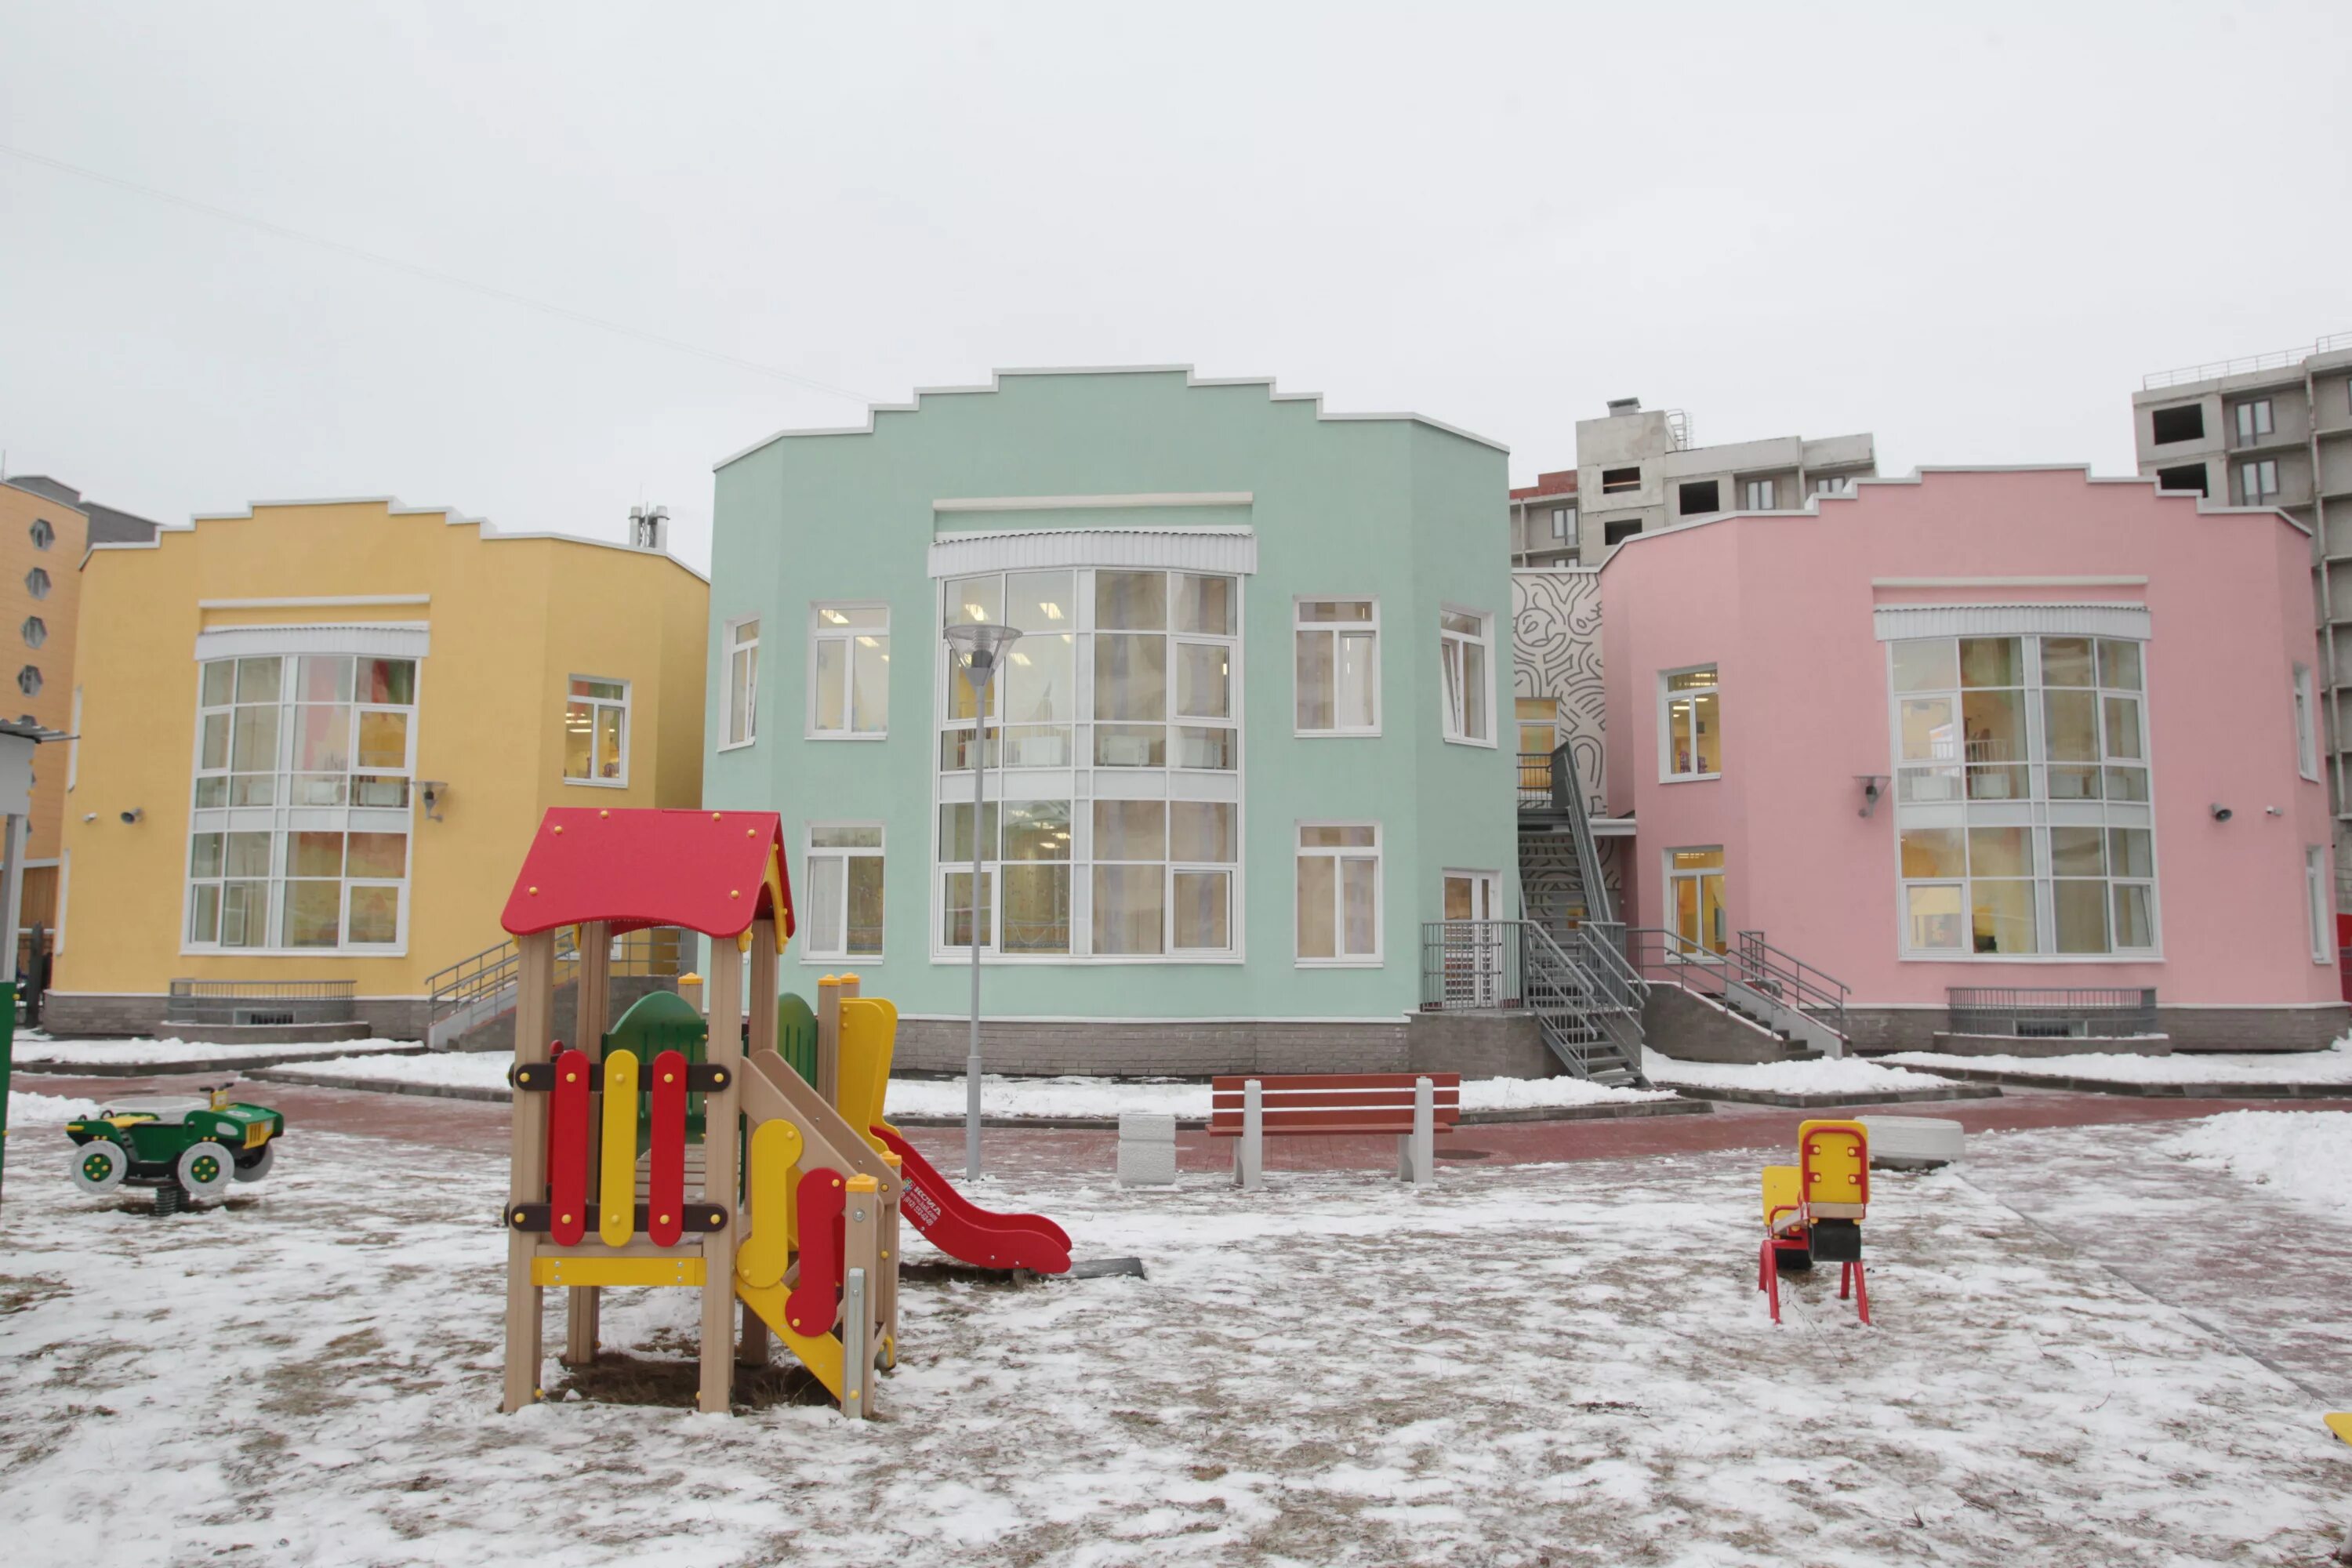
<point>979,648</point>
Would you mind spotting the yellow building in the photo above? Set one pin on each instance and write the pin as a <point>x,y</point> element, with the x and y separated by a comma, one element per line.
<point>45,527</point>
<point>315,739</point>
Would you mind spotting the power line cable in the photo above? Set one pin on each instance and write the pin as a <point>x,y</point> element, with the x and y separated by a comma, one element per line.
<point>436,274</point>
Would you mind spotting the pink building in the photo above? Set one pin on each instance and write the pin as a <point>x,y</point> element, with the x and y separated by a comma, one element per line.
<point>2009,732</point>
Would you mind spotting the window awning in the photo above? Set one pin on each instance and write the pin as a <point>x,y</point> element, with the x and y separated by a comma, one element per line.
<point>1219,550</point>
<point>379,639</point>
<point>1897,623</point>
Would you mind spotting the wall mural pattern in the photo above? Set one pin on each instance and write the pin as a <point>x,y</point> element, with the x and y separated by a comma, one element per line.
<point>1556,639</point>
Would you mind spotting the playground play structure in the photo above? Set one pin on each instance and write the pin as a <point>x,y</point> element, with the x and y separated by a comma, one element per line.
<point>793,1208</point>
<point>183,1146</point>
<point>1813,1211</point>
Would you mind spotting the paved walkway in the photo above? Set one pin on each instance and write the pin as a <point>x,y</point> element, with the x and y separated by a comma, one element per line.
<point>475,1124</point>
<point>2265,1272</point>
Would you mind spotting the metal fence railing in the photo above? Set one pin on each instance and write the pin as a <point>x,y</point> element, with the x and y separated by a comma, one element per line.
<point>1585,995</point>
<point>2052,1012</point>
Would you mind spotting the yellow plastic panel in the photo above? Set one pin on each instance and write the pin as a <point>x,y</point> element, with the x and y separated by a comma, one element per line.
<point>617,1190</point>
<point>1782,1190</point>
<point>1835,1157</point>
<point>683,1271</point>
<point>821,1355</point>
<point>2340,1423</point>
<point>869,1035</point>
<point>775,1151</point>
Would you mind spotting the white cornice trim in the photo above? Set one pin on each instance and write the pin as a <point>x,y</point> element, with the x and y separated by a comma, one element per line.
<point>315,602</point>
<point>996,384</point>
<point>1090,503</point>
<point>2009,582</point>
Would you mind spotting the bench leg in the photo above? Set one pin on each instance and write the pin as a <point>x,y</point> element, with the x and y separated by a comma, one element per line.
<point>1249,1149</point>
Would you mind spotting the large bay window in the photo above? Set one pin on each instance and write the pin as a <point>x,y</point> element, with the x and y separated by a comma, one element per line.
<point>2022,820</point>
<point>299,836</point>
<point>1112,758</point>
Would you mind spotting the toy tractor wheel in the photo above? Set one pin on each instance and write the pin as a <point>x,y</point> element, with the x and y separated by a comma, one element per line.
<point>99,1167</point>
<point>206,1169</point>
<point>254,1166</point>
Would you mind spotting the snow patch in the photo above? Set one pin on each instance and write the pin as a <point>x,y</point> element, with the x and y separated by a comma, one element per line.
<point>2305,1155</point>
<point>46,1110</point>
<point>2332,1065</point>
<point>1827,1075</point>
<point>164,1053</point>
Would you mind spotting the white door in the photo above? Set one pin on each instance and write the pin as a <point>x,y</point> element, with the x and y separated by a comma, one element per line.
<point>1473,947</point>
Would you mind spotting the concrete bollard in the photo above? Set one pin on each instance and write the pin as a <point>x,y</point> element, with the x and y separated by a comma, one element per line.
<point>1147,1149</point>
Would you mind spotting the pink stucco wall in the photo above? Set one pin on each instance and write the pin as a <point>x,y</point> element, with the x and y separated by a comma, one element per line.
<point>1783,605</point>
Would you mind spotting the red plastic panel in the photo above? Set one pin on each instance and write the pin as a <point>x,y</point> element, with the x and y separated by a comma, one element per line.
<point>711,871</point>
<point>665,1167</point>
<point>567,1149</point>
<point>816,1300</point>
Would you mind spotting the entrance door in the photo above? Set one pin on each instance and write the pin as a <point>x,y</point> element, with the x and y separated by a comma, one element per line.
<point>1694,903</point>
<point>1474,939</point>
<point>1538,733</point>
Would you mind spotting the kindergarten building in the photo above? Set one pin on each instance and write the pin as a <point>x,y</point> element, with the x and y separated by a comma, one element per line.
<point>315,739</point>
<point>2016,752</point>
<point>1252,732</point>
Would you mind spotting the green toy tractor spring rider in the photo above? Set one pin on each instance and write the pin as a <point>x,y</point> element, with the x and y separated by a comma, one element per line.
<point>185,1146</point>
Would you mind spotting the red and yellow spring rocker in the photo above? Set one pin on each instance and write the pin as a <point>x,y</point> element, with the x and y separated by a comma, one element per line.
<point>1813,1211</point>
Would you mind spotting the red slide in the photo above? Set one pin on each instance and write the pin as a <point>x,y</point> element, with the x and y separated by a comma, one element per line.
<point>964,1230</point>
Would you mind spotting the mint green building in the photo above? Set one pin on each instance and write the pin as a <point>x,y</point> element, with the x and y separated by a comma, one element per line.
<point>1256,731</point>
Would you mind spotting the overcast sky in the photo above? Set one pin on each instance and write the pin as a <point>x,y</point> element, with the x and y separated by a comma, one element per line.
<point>1970,233</point>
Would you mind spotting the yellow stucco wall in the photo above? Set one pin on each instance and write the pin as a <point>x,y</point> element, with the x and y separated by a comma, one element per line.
<point>512,620</point>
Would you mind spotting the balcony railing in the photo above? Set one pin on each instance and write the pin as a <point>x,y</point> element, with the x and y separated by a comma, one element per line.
<point>2052,1012</point>
<point>2277,359</point>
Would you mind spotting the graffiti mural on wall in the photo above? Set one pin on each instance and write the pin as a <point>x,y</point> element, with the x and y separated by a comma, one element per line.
<point>1556,635</point>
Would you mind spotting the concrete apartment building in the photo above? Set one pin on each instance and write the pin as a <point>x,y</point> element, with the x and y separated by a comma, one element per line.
<point>2274,430</point>
<point>1637,471</point>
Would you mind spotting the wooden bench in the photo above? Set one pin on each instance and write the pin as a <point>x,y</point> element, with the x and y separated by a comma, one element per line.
<point>1415,1107</point>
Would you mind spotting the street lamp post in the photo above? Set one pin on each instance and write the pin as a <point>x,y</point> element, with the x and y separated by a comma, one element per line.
<point>977,651</point>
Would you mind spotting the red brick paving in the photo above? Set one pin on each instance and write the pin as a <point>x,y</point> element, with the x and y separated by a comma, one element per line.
<point>478,1124</point>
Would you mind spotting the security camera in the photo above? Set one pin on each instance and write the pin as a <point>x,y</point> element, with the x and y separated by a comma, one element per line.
<point>2222,813</point>
<point>134,814</point>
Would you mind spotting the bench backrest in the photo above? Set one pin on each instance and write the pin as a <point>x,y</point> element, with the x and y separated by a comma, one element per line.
<point>1314,1103</point>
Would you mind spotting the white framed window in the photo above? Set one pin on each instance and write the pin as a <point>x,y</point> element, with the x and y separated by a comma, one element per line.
<point>742,645</point>
<point>1690,723</point>
<point>1465,660</point>
<point>2024,827</point>
<point>1695,910</point>
<point>843,916</point>
<point>1113,760</point>
<point>1338,888</point>
<point>1759,495</point>
<point>2319,904</point>
<point>1336,660</point>
<point>2306,725</point>
<point>2253,420</point>
<point>2258,481</point>
<point>1563,522</point>
<point>298,838</point>
<point>596,732</point>
<point>1834,485</point>
<point>849,671</point>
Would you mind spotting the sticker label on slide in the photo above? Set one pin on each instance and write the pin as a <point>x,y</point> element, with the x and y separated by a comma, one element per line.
<point>919,1205</point>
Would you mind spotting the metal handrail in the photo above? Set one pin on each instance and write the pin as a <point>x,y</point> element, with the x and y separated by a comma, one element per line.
<point>1568,794</point>
<point>1818,993</point>
<point>2276,359</point>
<point>1606,979</point>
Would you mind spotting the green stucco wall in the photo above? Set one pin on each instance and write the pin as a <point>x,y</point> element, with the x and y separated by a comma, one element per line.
<point>1394,508</point>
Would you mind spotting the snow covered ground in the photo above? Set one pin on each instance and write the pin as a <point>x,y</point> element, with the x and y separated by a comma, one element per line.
<point>1842,1075</point>
<point>2332,1065</point>
<point>2305,1156</point>
<point>162,1054</point>
<point>1056,1098</point>
<point>1523,1365</point>
<point>34,1109</point>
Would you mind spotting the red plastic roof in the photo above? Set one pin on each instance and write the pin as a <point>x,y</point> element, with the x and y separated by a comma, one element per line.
<point>711,871</point>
